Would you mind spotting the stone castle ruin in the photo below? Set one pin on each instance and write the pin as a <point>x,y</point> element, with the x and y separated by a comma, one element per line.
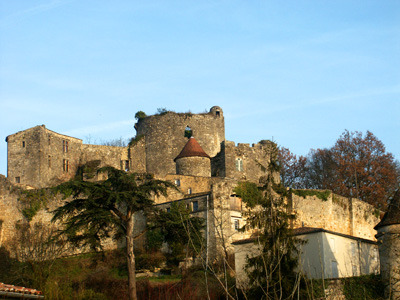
<point>205,167</point>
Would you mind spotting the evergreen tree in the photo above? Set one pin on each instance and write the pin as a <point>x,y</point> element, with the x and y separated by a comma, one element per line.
<point>108,208</point>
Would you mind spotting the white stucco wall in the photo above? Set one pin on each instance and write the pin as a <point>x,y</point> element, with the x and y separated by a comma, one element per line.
<point>324,255</point>
<point>327,255</point>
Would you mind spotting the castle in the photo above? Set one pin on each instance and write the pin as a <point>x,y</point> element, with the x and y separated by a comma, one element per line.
<point>189,150</point>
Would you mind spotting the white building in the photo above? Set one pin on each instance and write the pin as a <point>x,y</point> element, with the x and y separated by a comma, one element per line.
<point>326,254</point>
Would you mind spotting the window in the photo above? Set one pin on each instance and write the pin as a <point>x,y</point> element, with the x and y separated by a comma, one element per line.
<point>177,182</point>
<point>195,206</point>
<point>335,271</point>
<point>65,146</point>
<point>189,191</point>
<point>127,165</point>
<point>239,164</point>
<point>236,222</point>
<point>188,132</point>
<point>168,209</point>
<point>18,179</point>
<point>23,144</point>
<point>65,165</point>
<point>217,113</point>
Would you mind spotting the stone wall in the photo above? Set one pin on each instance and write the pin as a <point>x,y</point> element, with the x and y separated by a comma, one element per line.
<point>137,156</point>
<point>186,185</point>
<point>40,157</point>
<point>195,166</point>
<point>389,253</point>
<point>116,157</point>
<point>165,137</point>
<point>338,214</point>
<point>9,212</point>
<point>243,162</point>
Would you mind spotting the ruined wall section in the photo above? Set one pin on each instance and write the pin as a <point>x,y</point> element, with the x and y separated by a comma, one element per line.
<point>243,162</point>
<point>165,137</point>
<point>40,157</point>
<point>137,156</point>
<point>113,156</point>
<point>338,214</point>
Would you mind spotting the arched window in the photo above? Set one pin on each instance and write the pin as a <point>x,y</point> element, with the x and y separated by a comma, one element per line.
<point>188,132</point>
<point>239,164</point>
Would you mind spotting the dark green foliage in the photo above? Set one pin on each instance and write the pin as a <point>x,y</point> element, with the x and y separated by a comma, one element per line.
<point>366,287</point>
<point>161,111</point>
<point>88,170</point>
<point>272,273</point>
<point>33,200</point>
<point>323,195</point>
<point>140,115</point>
<point>280,189</point>
<point>180,231</point>
<point>250,193</point>
<point>135,140</point>
<point>100,209</point>
<point>188,132</point>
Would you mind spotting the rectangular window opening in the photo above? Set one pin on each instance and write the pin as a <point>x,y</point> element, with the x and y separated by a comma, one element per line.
<point>65,165</point>
<point>65,146</point>
<point>127,165</point>
<point>177,182</point>
<point>18,179</point>
<point>23,144</point>
<point>195,206</point>
<point>236,224</point>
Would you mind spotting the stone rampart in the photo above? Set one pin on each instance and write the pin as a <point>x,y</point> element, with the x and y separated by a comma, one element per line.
<point>116,157</point>
<point>338,214</point>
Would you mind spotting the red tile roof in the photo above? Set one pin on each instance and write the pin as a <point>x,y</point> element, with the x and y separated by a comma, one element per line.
<point>9,288</point>
<point>192,148</point>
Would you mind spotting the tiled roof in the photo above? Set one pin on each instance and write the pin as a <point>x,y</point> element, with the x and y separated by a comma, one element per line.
<point>12,289</point>
<point>192,148</point>
<point>392,216</point>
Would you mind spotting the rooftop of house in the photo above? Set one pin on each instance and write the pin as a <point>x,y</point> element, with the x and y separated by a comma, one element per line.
<point>10,290</point>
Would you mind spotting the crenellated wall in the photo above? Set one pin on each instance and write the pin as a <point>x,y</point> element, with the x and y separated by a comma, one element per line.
<point>338,214</point>
<point>245,162</point>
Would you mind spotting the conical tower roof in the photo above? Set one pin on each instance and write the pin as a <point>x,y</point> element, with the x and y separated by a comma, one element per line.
<point>392,216</point>
<point>192,148</point>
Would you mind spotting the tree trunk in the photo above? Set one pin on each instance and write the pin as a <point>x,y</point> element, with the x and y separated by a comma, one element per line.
<point>131,260</point>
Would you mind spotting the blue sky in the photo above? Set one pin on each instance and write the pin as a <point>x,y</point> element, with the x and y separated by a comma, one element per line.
<point>297,72</point>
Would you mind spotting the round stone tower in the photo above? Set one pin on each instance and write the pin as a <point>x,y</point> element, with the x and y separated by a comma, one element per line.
<point>389,247</point>
<point>165,135</point>
<point>192,160</point>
